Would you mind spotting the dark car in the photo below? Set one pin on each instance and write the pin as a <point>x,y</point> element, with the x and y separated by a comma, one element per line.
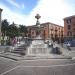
<point>72,43</point>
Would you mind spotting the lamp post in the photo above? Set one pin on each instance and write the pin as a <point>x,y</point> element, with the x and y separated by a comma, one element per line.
<point>0,24</point>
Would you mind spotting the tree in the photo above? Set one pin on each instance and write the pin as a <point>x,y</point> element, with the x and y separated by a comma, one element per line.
<point>12,30</point>
<point>4,28</point>
<point>23,30</point>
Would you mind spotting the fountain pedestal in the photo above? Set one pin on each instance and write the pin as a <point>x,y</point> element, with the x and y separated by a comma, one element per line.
<point>38,47</point>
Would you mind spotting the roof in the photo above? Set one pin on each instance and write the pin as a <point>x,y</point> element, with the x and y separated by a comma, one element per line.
<point>45,24</point>
<point>51,23</point>
<point>69,17</point>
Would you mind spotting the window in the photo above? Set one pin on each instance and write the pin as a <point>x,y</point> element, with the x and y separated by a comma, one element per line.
<point>74,24</point>
<point>68,21</point>
<point>51,28</point>
<point>74,36</point>
<point>52,35</point>
<point>32,32</point>
<point>69,33</point>
<point>69,27</point>
<point>56,29</point>
<point>73,29</point>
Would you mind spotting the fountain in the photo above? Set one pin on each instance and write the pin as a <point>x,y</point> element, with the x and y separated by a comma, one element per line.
<point>38,47</point>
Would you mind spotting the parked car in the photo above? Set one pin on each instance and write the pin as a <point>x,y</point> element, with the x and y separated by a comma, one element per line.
<point>71,43</point>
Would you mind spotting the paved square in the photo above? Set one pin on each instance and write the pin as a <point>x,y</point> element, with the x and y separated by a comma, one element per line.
<point>37,67</point>
<point>42,70</point>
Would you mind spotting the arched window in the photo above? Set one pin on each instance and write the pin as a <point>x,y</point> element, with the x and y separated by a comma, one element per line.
<point>69,33</point>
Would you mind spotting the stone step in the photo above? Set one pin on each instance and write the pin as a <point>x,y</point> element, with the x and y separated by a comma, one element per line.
<point>19,49</point>
<point>19,52</point>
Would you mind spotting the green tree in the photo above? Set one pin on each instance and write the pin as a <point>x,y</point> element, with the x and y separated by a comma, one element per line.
<point>23,30</point>
<point>4,28</point>
<point>12,30</point>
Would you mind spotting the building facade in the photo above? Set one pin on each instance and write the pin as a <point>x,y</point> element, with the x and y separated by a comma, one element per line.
<point>47,31</point>
<point>69,27</point>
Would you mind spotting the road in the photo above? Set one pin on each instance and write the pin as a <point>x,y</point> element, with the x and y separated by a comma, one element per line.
<point>7,64</point>
<point>37,67</point>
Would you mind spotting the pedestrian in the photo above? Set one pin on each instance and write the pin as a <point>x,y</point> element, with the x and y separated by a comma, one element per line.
<point>68,46</point>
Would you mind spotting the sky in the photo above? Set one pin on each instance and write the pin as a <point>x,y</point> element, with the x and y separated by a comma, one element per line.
<point>24,11</point>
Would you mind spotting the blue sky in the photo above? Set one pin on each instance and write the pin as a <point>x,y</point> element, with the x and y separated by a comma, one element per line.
<point>24,11</point>
<point>21,6</point>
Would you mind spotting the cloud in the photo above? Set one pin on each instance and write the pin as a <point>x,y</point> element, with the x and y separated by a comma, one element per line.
<point>23,6</point>
<point>16,4</point>
<point>12,16</point>
<point>50,11</point>
<point>13,3</point>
